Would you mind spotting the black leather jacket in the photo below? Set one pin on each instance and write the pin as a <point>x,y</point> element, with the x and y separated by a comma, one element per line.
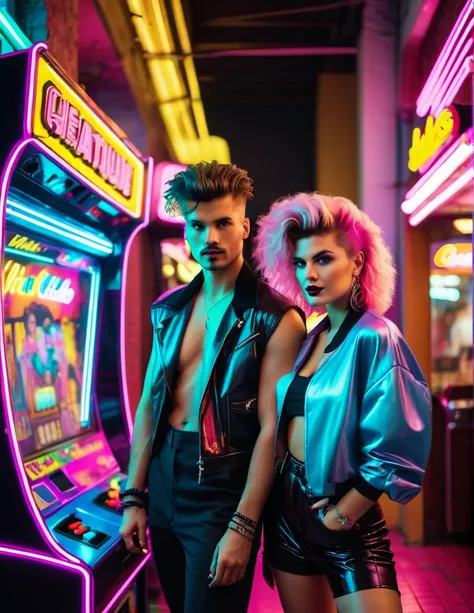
<point>229,423</point>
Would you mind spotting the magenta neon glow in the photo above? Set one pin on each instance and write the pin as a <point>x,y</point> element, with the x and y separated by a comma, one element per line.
<point>459,154</point>
<point>87,598</point>
<point>126,585</point>
<point>452,82</point>
<point>30,88</point>
<point>454,188</point>
<point>7,402</point>
<point>435,77</point>
<point>456,85</point>
<point>64,121</point>
<point>123,299</point>
<point>164,172</point>
<point>465,138</point>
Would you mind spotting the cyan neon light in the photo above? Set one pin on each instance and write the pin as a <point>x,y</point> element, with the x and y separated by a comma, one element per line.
<point>66,233</point>
<point>86,394</point>
<point>31,256</point>
<point>77,231</point>
<point>11,31</point>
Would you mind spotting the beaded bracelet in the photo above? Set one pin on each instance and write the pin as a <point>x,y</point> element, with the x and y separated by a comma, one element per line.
<point>250,522</point>
<point>239,523</point>
<point>241,530</point>
<point>133,491</point>
<point>126,504</point>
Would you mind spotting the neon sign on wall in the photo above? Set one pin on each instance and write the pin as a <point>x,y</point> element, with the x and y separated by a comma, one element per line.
<point>454,255</point>
<point>64,121</point>
<point>45,286</point>
<point>427,143</point>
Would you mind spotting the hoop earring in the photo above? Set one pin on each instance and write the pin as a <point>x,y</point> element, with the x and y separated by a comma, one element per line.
<point>355,295</point>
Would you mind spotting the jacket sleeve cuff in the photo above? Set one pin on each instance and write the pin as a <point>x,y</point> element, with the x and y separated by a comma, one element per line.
<point>367,490</point>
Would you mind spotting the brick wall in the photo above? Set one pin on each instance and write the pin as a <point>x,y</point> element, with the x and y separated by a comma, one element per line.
<point>62,24</point>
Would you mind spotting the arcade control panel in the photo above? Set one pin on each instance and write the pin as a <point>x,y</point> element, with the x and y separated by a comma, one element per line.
<point>77,488</point>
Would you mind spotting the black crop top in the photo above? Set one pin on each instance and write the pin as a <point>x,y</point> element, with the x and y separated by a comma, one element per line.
<point>294,401</point>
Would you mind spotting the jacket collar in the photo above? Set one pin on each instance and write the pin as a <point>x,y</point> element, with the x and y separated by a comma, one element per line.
<point>349,322</point>
<point>245,293</point>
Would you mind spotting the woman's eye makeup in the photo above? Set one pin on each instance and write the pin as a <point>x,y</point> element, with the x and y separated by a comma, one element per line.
<point>325,259</point>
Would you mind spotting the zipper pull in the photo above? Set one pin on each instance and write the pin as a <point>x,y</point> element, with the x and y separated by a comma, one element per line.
<point>241,323</point>
<point>248,404</point>
<point>200,464</point>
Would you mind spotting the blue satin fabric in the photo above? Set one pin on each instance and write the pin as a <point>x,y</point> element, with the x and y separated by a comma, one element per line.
<point>367,412</point>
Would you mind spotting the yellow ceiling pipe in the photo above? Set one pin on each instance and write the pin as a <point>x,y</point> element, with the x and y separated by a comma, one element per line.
<point>180,100</point>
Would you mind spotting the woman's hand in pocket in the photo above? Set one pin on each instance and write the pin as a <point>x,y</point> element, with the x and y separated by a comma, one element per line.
<point>328,516</point>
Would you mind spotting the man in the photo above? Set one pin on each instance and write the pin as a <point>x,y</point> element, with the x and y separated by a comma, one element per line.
<point>205,426</point>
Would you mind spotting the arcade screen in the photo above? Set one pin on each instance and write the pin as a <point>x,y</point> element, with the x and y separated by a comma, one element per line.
<point>46,309</point>
<point>451,315</point>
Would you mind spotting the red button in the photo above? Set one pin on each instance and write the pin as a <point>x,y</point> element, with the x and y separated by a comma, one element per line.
<point>112,503</point>
<point>75,525</point>
<point>81,530</point>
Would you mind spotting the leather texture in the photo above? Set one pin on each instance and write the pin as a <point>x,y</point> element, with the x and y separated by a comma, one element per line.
<point>229,411</point>
<point>296,540</point>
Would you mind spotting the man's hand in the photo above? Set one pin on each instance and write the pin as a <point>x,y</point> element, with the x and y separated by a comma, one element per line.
<point>134,523</point>
<point>230,559</point>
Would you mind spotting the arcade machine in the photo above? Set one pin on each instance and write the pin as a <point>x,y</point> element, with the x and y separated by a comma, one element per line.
<point>172,252</point>
<point>73,193</point>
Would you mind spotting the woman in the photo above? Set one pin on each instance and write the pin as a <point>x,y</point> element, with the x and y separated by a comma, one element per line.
<point>354,414</point>
<point>32,369</point>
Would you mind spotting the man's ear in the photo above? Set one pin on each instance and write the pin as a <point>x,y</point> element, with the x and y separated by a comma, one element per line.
<point>246,226</point>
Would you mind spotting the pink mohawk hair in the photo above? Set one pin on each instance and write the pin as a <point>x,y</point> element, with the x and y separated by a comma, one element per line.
<point>313,212</point>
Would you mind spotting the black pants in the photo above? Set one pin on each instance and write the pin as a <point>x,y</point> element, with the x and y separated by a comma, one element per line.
<point>187,521</point>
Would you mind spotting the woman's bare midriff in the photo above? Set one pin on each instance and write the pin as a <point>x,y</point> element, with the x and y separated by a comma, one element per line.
<point>295,438</point>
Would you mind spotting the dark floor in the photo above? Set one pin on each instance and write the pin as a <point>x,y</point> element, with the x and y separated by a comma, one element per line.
<point>433,579</point>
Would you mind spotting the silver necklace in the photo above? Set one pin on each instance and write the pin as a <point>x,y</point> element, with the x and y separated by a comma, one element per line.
<point>213,304</point>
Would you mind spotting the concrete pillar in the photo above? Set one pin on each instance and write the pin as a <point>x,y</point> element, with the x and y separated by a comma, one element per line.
<point>378,124</point>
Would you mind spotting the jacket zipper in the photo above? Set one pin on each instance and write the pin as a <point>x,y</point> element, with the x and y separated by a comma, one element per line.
<point>246,408</point>
<point>200,462</point>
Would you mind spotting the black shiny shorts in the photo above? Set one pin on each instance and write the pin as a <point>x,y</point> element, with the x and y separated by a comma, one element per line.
<point>296,540</point>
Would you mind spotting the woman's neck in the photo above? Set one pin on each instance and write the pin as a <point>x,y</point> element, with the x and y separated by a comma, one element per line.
<point>336,315</point>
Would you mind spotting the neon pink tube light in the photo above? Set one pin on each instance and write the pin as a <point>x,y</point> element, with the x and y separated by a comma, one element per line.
<point>454,188</point>
<point>466,137</point>
<point>438,73</point>
<point>87,605</point>
<point>123,299</point>
<point>458,68</point>
<point>7,403</point>
<point>456,85</point>
<point>30,88</point>
<point>123,588</point>
<point>437,175</point>
<point>164,172</point>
